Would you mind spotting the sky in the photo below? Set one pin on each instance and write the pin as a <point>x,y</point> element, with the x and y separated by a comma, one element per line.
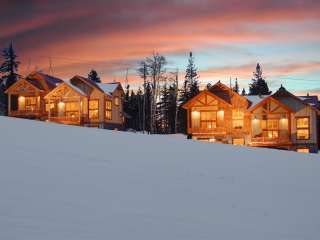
<point>227,38</point>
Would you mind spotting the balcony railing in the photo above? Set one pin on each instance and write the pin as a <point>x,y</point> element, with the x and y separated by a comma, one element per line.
<point>219,130</point>
<point>33,112</point>
<point>270,140</point>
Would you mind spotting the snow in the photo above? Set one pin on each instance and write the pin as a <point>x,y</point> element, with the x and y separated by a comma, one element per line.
<point>73,183</point>
<point>75,88</point>
<point>255,99</point>
<point>108,88</point>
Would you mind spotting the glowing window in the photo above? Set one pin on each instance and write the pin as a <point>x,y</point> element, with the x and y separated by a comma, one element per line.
<point>116,101</point>
<point>94,109</point>
<point>303,128</point>
<point>237,118</point>
<point>108,110</point>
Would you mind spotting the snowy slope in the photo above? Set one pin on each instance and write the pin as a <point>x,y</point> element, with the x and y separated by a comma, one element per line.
<point>72,183</point>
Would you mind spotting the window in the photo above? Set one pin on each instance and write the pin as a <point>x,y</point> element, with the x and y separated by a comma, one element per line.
<point>238,141</point>
<point>237,118</point>
<point>93,109</point>
<point>116,101</point>
<point>208,119</point>
<point>270,128</point>
<point>72,109</point>
<point>303,150</point>
<point>31,103</point>
<point>303,131</point>
<point>108,110</point>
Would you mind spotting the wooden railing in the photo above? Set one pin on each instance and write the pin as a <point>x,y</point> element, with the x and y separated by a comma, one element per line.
<point>270,140</point>
<point>219,130</point>
<point>34,112</point>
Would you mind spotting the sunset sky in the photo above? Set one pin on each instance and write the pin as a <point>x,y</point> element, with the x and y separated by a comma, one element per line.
<point>227,38</point>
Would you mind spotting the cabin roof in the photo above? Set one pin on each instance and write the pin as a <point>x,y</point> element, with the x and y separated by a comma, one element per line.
<point>75,88</point>
<point>222,91</point>
<point>109,88</point>
<point>254,100</point>
<point>312,100</point>
<point>43,81</point>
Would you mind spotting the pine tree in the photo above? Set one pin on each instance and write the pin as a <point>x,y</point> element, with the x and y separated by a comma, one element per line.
<point>236,87</point>
<point>93,76</point>
<point>243,93</point>
<point>258,86</point>
<point>9,68</point>
<point>189,90</point>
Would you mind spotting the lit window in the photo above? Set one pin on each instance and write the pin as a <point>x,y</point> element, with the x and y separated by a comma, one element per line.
<point>108,110</point>
<point>208,119</point>
<point>94,109</point>
<point>116,101</point>
<point>238,141</point>
<point>237,118</point>
<point>72,109</point>
<point>303,150</point>
<point>303,131</point>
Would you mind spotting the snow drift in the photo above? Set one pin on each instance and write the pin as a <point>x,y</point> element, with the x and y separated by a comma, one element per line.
<point>63,182</point>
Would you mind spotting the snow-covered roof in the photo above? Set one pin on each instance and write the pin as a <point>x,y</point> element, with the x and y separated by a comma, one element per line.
<point>108,88</point>
<point>75,88</point>
<point>256,99</point>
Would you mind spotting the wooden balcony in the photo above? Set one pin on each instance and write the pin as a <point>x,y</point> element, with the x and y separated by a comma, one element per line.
<point>26,113</point>
<point>270,141</point>
<point>210,131</point>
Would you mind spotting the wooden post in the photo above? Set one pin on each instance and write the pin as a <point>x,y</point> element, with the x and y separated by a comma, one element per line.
<point>49,111</point>
<point>9,104</point>
<point>80,111</point>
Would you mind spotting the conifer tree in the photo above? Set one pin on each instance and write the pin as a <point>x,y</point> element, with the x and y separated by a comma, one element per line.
<point>236,87</point>
<point>243,93</point>
<point>93,76</point>
<point>258,86</point>
<point>9,68</point>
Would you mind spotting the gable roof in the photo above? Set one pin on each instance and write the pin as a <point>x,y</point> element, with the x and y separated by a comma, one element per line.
<point>33,84</point>
<point>43,81</point>
<point>222,91</point>
<point>282,92</point>
<point>87,81</point>
<point>255,99</point>
<point>312,100</point>
<point>264,100</point>
<point>69,85</point>
<point>189,102</point>
<point>109,88</point>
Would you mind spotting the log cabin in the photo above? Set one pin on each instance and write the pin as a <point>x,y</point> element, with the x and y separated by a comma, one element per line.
<point>281,120</point>
<point>26,96</point>
<point>81,101</point>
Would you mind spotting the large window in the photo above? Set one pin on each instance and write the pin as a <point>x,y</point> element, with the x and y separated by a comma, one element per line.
<point>237,118</point>
<point>94,109</point>
<point>108,110</point>
<point>208,119</point>
<point>27,103</point>
<point>116,101</point>
<point>72,109</point>
<point>303,128</point>
<point>270,128</point>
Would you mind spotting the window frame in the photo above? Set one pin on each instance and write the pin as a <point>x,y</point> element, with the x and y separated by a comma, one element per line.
<point>237,118</point>
<point>108,110</point>
<point>303,128</point>
<point>93,109</point>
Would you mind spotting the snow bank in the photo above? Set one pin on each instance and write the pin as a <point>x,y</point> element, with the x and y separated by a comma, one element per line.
<point>72,183</point>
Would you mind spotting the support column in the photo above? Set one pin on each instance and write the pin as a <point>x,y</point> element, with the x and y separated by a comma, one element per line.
<point>49,111</point>
<point>9,104</point>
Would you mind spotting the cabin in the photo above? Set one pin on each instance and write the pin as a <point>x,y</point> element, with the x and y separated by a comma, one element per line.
<point>281,120</point>
<point>218,115</point>
<point>83,102</point>
<point>26,96</point>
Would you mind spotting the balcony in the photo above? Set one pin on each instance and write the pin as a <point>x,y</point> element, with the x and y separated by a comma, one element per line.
<point>270,141</point>
<point>26,113</point>
<point>212,131</point>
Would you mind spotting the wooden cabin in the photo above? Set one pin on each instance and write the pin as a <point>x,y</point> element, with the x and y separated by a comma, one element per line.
<point>81,101</point>
<point>218,115</point>
<point>26,96</point>
<point>281,120</point>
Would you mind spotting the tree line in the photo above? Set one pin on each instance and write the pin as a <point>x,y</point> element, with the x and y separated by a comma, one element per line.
<point>156,107</point>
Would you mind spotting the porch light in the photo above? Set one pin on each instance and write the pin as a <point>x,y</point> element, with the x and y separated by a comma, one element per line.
<point>195,113</point>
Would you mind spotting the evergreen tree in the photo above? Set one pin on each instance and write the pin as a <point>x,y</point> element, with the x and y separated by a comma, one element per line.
<point>189,90</point>
<point>258,86</point>
<point>3,99</point>
<point>93,76</point>
<point>243,93</point>
<point>9,68</point>
<point>236,87</point>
